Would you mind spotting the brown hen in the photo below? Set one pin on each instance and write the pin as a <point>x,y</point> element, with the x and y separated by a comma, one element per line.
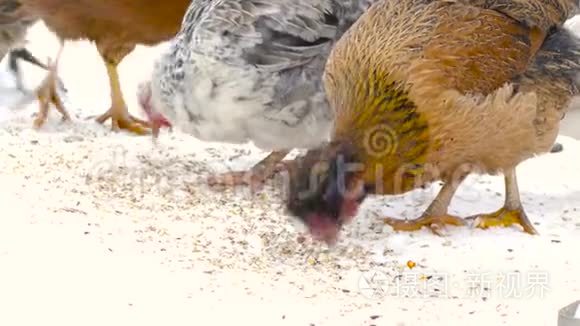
<point>116,27</point>
<point>428,90</point>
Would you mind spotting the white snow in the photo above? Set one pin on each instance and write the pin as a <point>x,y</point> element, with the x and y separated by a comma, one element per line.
<point>102,228</point>
<point>570,125</point>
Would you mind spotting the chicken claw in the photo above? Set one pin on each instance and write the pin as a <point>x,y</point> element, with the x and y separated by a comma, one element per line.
<point>504,218</point>
<point>434,223</point>
<point>47,94</point>
<point>255,177</point>
<point>120,119</point>
<point>512,212</point>
<point>119,114</point>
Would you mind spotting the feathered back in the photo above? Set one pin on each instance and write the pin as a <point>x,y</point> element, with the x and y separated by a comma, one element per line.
<point>253,65</point>
<point>118,22</point>
<point>543,14</point>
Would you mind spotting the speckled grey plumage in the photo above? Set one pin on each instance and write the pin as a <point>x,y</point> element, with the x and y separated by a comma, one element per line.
<point>251,70</point>
<point>14,24</point>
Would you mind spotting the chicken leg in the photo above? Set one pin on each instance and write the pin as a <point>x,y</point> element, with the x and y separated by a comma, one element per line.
<point>512,212</point>
<point>47,93</point>
<point>435,216</point>
<point>255,177</point>
<point>119,114</point>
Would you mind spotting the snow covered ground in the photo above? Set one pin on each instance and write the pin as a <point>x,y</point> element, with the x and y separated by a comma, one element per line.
<point>106,229</point>
<point>570,126</point>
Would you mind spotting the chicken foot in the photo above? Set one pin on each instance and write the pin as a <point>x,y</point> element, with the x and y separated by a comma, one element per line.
<point>435,216</point>
<point>47,94</point>
<point>255,177</point>
<point>118,113</point>
<point>512,212</point>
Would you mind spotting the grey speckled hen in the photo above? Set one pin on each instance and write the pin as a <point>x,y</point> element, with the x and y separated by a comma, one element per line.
<point>250,70</point>
<point>14,23</point>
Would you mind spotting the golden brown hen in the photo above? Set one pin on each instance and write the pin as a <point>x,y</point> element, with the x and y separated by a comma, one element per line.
<point>428,90</point>
<point>116,27</point>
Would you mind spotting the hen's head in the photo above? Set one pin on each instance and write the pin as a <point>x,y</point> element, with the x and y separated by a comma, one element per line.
<point>326,190</point>
<point>156,119</point>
